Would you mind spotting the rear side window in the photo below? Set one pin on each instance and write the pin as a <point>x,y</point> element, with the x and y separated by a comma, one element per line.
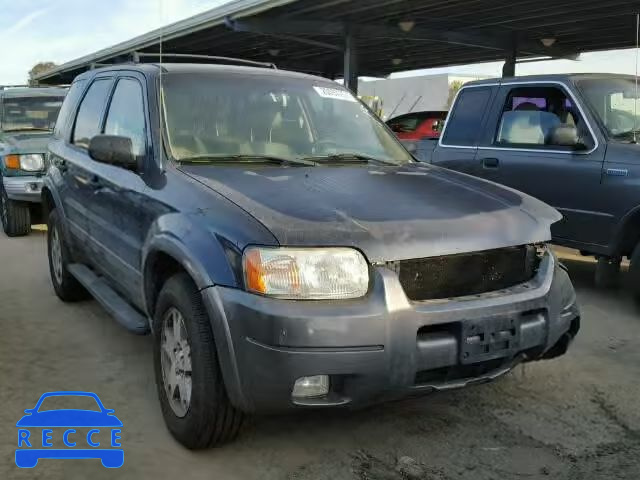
<point>126,116</point>
<point>463,124</point>
<point>70,101</point>
<point>89,118</point>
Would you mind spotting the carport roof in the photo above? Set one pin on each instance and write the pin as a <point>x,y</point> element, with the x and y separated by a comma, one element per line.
<point>390,35</point>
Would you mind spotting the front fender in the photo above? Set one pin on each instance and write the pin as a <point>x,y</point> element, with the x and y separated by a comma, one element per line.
<point>199,250</point>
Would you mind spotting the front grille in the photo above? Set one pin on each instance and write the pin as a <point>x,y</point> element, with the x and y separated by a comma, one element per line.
<point>467,273</point>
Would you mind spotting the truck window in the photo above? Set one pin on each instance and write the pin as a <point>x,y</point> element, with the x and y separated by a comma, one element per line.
<point>463,125</point>
<point>89,118</point>
<point>531,113</point>
<point>126,114</point>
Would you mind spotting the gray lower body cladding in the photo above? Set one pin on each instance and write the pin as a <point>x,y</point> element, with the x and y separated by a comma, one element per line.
<point>384,346</point>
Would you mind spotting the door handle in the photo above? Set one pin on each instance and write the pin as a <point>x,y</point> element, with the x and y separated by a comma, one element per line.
<point>490,162</point>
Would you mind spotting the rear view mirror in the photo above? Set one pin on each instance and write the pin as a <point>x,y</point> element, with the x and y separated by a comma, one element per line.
<point>564,136</point>
<point>114,150</point>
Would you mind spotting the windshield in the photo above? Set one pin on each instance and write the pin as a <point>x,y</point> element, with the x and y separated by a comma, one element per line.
<point>614,101</point>
<point>262,115</point>
<point>30,113</point>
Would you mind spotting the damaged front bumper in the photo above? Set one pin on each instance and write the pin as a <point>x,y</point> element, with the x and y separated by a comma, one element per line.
<point>384,346</point>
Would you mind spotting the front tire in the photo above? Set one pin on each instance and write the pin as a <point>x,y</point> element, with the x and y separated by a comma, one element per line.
<point>16,216</point>
<point>65,285</point>
<point>193,397</point>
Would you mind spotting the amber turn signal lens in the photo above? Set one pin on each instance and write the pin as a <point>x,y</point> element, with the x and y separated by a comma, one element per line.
<point>254,272</point>
<point>12,162</point>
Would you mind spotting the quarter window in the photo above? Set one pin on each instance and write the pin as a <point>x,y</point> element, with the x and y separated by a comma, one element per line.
<point>463,125</point>
<point>531,115</point>
<point>70,101</point>
<point>89,118</point>
<point>126,114</point>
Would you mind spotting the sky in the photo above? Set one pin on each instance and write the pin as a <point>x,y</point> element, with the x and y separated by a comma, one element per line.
<point>32,31</point>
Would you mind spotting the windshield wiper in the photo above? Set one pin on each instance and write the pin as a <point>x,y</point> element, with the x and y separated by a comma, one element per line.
<point>36,129</point>
<point>347,158</point>
<point>196,159</point>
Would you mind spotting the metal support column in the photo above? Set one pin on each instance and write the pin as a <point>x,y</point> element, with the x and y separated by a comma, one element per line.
<point>350,61</point>
<point>509,67</point>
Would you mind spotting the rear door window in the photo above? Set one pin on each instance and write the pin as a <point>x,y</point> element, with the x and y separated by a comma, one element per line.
<point>89,119</point>
<point>464,122</point>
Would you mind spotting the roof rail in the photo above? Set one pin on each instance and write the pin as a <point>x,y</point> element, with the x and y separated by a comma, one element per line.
<point>6,87</point>
<point>138,56</point>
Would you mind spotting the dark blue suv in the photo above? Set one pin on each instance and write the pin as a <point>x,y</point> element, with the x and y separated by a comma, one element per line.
<point>285,250</point>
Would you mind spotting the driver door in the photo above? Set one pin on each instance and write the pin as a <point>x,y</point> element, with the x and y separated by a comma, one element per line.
<point>517,153</point>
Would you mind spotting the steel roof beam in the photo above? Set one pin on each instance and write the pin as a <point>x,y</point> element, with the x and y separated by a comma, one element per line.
<point>277,26</point>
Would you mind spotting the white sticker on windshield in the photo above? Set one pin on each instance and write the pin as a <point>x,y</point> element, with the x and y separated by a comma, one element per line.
<point>337,93</point>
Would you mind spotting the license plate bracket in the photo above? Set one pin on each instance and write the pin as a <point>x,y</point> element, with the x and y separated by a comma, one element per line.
<point>489,339</point>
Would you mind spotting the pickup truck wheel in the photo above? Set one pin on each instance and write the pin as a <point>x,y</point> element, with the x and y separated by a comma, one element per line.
<point>16,217</point>
<point>193,398</point>
<point>607,272</point>
<point>65,285</point>
<point>634,272</point>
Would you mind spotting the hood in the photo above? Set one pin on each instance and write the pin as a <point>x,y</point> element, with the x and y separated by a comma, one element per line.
<point>24,142</point>
<point>69,418</point>
<point>389,213</point>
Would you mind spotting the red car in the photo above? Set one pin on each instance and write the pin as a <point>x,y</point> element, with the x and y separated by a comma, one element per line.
<point>418,125</point>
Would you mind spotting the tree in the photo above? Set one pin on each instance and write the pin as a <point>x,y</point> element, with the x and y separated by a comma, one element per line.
<point>453,90</point>
<point>38,69</point>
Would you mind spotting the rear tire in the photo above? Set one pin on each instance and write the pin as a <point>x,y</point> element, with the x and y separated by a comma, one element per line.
<point>65,285</point>
<point>16,216</point>
<point>607,272</point>
<point>634,272</point>
<point>208,418</point>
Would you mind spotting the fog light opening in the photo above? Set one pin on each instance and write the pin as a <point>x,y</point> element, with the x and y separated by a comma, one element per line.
<point>310,387</point>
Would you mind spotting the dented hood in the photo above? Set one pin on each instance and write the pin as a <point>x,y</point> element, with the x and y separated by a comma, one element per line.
<point>389,213</point>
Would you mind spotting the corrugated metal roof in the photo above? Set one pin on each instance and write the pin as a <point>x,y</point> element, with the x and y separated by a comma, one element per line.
<point>445,33</point>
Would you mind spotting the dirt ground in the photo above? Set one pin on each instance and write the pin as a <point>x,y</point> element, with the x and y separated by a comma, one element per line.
<point>576,417</point>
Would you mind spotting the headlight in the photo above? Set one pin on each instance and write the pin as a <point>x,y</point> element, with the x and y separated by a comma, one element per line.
<point>31,162</point>
<point>306,273</point>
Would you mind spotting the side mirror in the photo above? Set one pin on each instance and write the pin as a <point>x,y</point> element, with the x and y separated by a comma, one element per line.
<point>564,136</point>
<point>114,150</point>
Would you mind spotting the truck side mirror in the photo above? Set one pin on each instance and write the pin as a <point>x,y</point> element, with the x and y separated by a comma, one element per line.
<point>564,136</point>
<point>114,150</point>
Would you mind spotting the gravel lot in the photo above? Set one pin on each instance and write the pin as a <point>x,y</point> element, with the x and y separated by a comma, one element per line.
<point>576,417</point>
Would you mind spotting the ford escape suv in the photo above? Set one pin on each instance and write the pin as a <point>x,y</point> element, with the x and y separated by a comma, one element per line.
<point>27,118</point>
<point>284,249</point>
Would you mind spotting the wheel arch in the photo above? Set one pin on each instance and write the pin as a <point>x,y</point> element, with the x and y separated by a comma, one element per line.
<point>166,256</point>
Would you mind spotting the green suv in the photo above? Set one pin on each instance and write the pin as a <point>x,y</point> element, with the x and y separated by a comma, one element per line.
<point>27,118</point>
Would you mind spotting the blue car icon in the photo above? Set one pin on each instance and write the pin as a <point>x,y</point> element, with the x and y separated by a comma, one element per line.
<point>29,452</point>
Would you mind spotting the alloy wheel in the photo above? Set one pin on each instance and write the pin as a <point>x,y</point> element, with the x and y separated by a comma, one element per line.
<point>176,362</point>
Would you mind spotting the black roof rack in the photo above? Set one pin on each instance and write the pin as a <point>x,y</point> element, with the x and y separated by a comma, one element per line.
<point>138,56</point>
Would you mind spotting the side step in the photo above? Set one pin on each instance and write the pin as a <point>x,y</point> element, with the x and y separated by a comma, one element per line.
<point>113,303</point>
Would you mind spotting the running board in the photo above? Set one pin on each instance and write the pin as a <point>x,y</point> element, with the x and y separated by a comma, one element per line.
<point>113,303</point>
